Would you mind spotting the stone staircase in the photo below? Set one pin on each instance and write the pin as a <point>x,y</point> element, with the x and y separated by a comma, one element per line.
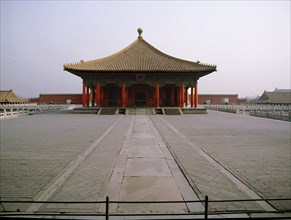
<point>107,111</point>
<point>153,111</point>
<point>172,111</point>
<point>140,111</point>
<point>149,111</point>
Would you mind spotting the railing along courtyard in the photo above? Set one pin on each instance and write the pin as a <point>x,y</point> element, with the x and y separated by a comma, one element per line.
<point>107,213</point>
<point>279,112</point>
<point>14,110</point>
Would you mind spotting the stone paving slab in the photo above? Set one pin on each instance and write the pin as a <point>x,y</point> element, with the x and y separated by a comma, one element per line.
<point>145,151</point>
<point>147,167</point>
<point>150,188</point>
<point>146,141</point>
<point>142,135</point>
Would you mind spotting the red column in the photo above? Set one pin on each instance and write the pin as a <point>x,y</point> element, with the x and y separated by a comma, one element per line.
<point>123,95</point>
<point>157,95</point>
<point>178,96</point>
<point>84,95</point>
<point>187,97</point>
<point>192,97</point>
<point>182,93</point>
<point>98,95</point>
<point>196,95</point>
<point>172,96</point>
<point>91,97</point>
<point>88,96</point>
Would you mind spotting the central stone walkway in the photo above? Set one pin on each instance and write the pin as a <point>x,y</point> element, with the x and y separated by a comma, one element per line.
<point>146,171</point>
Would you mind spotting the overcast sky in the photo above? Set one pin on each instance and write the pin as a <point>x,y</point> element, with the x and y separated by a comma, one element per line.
<point>249,41</point>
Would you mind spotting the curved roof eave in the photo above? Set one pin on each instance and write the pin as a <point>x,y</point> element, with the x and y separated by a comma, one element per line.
<point>74,71</point>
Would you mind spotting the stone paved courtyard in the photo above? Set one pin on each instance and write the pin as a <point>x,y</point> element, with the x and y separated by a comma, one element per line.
<point>82,157</point>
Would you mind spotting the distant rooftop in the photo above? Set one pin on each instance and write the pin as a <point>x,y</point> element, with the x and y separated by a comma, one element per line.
<point>8,96</point>
<point>278,96</point>
<point>282,90</point>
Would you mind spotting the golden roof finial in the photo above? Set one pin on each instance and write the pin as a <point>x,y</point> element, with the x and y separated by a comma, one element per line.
<point>139,30</point>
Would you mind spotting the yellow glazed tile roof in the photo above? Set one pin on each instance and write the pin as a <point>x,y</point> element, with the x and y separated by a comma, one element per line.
<point>8,96</point>
<point>139,56</point>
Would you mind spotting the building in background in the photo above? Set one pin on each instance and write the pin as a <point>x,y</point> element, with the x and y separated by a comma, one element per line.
<point>220,99</point>
<point>278,96</point>
<point>9,97</point>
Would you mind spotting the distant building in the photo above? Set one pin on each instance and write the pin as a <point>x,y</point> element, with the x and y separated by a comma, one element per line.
<point>58,99</point>
<point>278,96</point>
<point>220,99</point>
<point>9,97</point>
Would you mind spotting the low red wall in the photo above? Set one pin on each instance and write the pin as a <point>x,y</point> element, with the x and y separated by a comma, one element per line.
<point>58,99</point>
<point>219,99</point>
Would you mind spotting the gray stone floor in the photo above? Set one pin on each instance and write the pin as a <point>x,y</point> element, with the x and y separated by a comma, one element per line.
<point>63,156</point>
<point>36,149</point>
<point>255,150</point>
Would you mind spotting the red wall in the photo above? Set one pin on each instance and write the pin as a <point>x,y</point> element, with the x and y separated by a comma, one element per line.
<point>58,99</point>
<point>77,99</point>
<point>218,99</point>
